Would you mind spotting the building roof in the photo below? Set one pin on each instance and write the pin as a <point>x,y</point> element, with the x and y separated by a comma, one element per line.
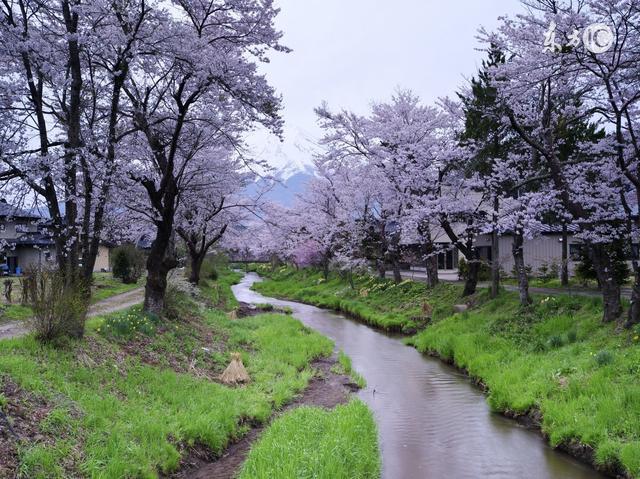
<point>33,239</point>
<point>7,210</point>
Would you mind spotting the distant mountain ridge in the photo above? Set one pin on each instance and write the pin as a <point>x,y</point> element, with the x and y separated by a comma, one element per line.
<point>292,163</point>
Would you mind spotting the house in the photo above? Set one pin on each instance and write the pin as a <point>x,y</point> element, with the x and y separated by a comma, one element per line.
<point>103,259</point>
<point>26,241</point>
<point>540,252</point>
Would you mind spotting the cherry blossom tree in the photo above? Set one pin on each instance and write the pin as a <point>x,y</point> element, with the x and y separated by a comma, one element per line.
<point>213,200</point>
<point>199,87</point>
<point>63,67</point>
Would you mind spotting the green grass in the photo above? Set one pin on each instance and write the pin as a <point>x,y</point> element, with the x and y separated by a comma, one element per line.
<point>312,443</point>
<point>128,402</point>
<point>344,367</point>
<point>556,357</point>
<point>105,286</point>
<point>15,312</point>
<point>379,302</point>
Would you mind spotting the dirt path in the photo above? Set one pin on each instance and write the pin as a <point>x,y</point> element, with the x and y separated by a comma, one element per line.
<point>119,302</point>
<point>327,389</point>
<point>418,275</point>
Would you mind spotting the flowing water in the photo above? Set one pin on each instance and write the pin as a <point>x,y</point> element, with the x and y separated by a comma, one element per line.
<point>432,422</point>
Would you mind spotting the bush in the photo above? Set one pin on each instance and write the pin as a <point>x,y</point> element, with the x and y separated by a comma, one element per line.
<point>603,358</point>
<point>556,342</point>
<point>463,270</point>
<point>178,298</point>
<point>209,269</point>
<point>547,272</point>
<point>128,264</point>
<point>58,309</point>
<point>585,271</point>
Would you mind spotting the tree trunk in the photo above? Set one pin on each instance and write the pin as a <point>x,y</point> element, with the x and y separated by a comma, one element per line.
<point>325,268</point>
<point>432,271</point>
<point>161,260</point>
<point>397,275</point>
<point>471,283</point>
<point>196,267</point>
<point>495,264</point>
<point>495,252</point>
<point>611,303</point>
<point>382,271</point>
<point>564,275</point>
<point>633,317</point>
<point>521,270</point>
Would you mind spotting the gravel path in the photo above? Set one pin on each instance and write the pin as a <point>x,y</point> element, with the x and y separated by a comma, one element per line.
<point>115,303</point>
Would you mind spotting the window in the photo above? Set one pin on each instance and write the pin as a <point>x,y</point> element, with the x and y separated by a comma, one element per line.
<point>576,251</point>
<point>447,259</point>
<point>485,253</point>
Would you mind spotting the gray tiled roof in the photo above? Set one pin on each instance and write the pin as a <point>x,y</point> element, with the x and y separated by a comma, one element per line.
<point>9,210</point>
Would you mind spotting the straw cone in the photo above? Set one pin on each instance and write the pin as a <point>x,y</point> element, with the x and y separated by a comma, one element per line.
<point>235,372</point>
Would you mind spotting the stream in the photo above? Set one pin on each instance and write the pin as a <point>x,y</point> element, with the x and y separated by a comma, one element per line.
<point>432,422</point>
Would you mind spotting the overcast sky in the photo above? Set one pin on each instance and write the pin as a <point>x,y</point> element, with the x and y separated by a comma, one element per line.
<point>350,52</point>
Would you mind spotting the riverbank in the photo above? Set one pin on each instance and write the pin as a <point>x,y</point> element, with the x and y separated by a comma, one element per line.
<point>378,302</point>
<point>139,394</point>
<point>554,363</point>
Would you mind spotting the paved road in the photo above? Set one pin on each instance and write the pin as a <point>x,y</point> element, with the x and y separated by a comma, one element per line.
<point>115,303</point>
<point>420,275</point>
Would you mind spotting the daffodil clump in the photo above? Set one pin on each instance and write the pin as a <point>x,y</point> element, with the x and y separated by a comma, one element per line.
<point>127,324</point>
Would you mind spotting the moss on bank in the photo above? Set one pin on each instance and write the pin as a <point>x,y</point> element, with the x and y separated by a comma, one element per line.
<point>555,360</point>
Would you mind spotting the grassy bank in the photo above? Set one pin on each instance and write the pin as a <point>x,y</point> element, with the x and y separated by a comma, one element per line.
<point>555,361</point>
<point>315,443</point>
<point>379,302</point>
<point>131,398</point>
<point>104,286</point>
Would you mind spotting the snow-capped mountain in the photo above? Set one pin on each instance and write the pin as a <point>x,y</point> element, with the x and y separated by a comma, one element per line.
<point>291,160</point>
<point>289,157</point>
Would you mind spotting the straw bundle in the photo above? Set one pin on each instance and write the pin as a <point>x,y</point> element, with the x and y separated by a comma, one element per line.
<point>235,372</point>
<point>232,315</point>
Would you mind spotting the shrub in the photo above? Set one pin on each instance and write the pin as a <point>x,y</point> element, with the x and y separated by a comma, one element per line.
<point>463,270</point>
<point>128,264</point>
<point>59,309</point>
<point>209,269</point>
<point>585,270</point>
<point>547,272</point>
<point>572,336</point>
<point>527,269</point>
<point>178,297</point>
<point>603,358</point>
<point>556,342</point>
